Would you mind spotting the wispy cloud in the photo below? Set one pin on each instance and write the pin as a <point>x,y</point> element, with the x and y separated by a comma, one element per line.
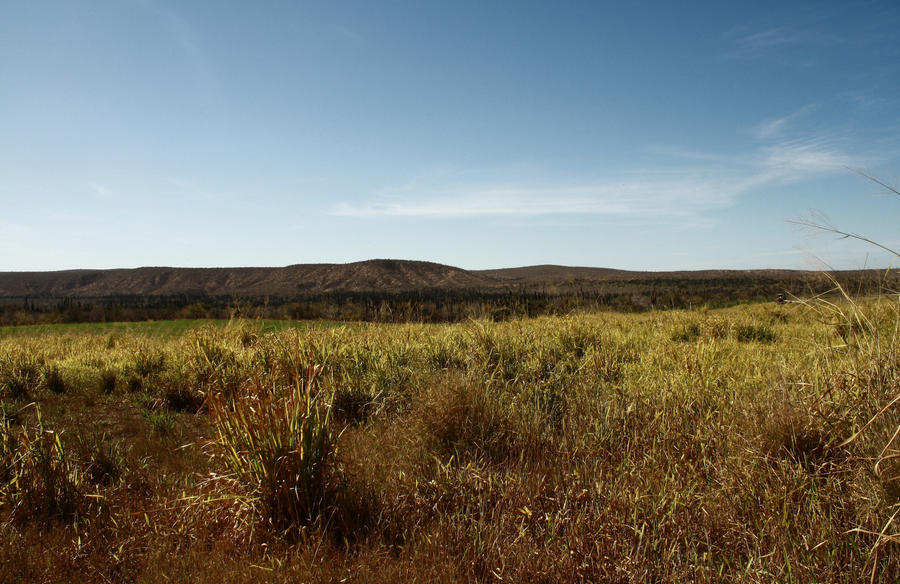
<point>618,197</point>
<point>681,195</point>
<point>753,44</point>
<point>774,128</point>
<point>350,34</point>
<point>794,160</point>
<point>100,191</point>
<point>684,193</point>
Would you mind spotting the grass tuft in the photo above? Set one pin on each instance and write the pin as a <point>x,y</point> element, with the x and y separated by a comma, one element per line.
<point>37,477</point>
<point>277,443</point>
<point>752,333</point>
<point>53,379</point>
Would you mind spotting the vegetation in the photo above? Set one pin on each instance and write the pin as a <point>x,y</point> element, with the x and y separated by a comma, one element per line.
<point>712,445</point>
<point>540,294</point>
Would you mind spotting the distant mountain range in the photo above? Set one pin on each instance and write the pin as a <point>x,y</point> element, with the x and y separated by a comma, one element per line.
<point>381,276</point>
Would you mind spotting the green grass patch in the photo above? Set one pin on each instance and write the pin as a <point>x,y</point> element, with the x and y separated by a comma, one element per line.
<point>158,329</point>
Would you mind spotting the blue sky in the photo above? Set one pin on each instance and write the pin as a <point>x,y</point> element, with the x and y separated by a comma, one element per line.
<point>637,135</point>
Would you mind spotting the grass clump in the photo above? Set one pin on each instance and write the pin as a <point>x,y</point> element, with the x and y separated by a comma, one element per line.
<point>37,477</point>
<point>148,362</point>
<point>20,374</point>
<point>162,423</point>
<point>754,333</point>
<point>108,381</point>
<point>103,459</point>
<point>277,444</point>
<point>687,333</point>
<point>53,379</point>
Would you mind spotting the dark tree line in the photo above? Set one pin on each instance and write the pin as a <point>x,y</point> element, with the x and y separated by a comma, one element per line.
<point>437,305</point>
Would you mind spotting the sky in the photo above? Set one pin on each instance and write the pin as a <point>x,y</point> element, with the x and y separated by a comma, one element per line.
<point>633,135</point>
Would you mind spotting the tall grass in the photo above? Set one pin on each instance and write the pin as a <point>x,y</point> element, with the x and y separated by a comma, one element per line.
<point>277,442</point>
<point>657,447</point>
<point>868,334</point>
<point>37,477</point>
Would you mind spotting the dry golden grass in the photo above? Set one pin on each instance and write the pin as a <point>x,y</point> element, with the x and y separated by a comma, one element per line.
<point>735,445</point>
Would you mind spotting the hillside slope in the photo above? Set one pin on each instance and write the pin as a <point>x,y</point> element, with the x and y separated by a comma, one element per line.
<point>367,276</point>
<point>385,276</point>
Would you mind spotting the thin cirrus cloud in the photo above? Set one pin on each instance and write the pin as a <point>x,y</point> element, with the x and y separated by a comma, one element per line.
<point>771,129</point>
<point>793,160</point>
<point>685,193</point>
<point>627,197</point>
<point>758,43</point>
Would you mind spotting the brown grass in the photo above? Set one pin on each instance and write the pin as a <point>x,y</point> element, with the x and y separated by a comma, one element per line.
<point>596,448</point>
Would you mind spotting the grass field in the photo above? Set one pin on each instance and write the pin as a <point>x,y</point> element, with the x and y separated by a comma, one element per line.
<point>162,328</point>
<point>677,446</point>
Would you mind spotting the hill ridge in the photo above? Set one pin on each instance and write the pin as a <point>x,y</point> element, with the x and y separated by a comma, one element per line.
<point>382,275</point>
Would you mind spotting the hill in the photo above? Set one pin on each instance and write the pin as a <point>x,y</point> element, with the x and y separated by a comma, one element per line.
<point>549,273</point>
<point>300,279</point>
<point>381,276</point>
<point>394,290</point>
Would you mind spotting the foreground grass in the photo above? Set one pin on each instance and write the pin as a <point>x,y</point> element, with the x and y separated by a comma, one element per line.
<point>705,446</point>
